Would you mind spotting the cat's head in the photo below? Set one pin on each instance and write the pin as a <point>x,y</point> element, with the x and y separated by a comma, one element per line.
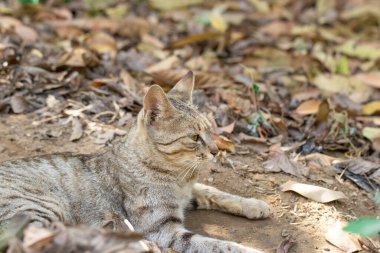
<point>177,132</point>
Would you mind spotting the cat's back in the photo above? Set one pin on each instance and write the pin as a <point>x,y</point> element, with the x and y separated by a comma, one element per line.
<point>39,185</point>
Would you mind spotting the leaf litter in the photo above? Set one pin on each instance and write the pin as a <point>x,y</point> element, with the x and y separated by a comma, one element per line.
<point>297,81</point>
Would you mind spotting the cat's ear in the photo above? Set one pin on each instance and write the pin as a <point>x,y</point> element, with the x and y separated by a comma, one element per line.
<point>184,88</point>
<point>156,104</point>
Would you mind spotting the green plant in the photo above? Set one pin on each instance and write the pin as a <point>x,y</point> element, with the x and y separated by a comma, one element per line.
<point>365,226</point>
<point>29,2</point>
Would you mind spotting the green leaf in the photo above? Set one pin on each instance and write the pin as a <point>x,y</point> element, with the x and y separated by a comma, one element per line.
<point>11,229</point>
<point>342,66</point>
<point>256,89</point>
<point>29,2</point>
<point>365,226</point>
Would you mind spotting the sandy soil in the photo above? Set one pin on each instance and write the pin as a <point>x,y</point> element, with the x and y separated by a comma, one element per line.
<point>293,215</point>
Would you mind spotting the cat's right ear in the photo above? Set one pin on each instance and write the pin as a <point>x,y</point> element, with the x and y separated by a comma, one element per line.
<point>156,104</point>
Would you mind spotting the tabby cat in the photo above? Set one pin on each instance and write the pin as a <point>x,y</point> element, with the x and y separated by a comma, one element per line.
<point>148,178</point>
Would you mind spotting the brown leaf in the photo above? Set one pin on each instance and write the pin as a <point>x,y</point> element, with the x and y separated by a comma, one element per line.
<point>101,43</point>
<point>78,57</point>
<point>279,161</point>
<point>195,38</point>
<point>371,79</point>
<point>166,64</point>
<point>69,32</point>
<point>223,143</point>
<point>37,238</point>
<point>341,239</point>
<point>19,104</point>
<point>77,129</point>
<point>308,107</point>
<point>315,193</point>
<point>276,28</point>
<point>27,33</point>
<point>226,129</point>
<point>168,78</point>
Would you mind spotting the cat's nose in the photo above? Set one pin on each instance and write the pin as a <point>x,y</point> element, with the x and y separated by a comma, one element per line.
<point>214,149</point>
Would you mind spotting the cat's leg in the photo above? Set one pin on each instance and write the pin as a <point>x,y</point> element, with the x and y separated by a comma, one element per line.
<point>207,197</point>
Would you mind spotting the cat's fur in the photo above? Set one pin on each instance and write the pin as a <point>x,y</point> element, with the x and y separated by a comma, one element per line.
<point>149,179</point>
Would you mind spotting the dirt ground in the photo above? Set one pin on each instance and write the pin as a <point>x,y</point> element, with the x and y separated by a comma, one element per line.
<point>294,215</point>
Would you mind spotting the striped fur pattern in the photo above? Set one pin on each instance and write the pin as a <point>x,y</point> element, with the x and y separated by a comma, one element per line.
<point>148,178</point>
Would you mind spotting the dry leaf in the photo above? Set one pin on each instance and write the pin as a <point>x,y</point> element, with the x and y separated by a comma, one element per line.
<point>371,107</point>
<point>172,4</point>
<point>371,132</point>
<point>75,58</point>
<point>166,64</point>
<point>101,43</point>
<point>362,50</point>
<point>223,143</point>
<point>36,238</point>
<point>308,107</point>
<point>19,104</point>
<point>341,239</point>
<point>315,193</point>
<point>276,28</point>
<point>226,129</point>
<point>338,84</point>
<point>279,161</point>
<point>217,22</point>
<point>371,79</point>
<point>27,33</point>
<point>77,129</point>
<point>195,38</point>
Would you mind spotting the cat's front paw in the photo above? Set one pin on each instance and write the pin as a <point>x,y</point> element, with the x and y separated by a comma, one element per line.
<point>255,209</point>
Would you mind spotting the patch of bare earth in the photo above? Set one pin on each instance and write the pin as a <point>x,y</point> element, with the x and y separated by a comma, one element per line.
<point>294,215</point>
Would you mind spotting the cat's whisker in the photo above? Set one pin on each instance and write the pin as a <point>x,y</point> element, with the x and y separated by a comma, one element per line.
<point>196,167</point>
<point>190,169</point>
<point>187,166</point>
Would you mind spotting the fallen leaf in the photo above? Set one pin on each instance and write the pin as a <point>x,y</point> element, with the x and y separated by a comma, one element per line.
<point>315,193</point>
<point>195,38</point>
<point>166,64</point>
<point>223,143</point>
<point>308,107</point>
<point>371,107</point>
<point>77,129</point>
<point>226,129</point>
<point>27,33</point>
<point>19,104</point>
<point>279,161</point>
<point>362,50</point>
<point>36,238</point>
<point>338,84</point>
<point>371,79</point>
<point>166,5</point>
<point>75,58</point>
<point>101,43</point>
<point>371,132</point>
<point>260,5</point>
<point>217,21</point>
<point>276,28</point>
<point>344,241</point>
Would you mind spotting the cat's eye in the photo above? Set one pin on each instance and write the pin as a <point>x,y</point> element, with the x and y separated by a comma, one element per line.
<point>195,137</point>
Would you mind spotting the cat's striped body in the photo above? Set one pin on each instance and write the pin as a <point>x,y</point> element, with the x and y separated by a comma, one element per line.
<point>149,178</point>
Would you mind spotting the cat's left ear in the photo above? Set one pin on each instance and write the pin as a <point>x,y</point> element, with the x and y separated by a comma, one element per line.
<point>156,105</point>
<point>184,88</point>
